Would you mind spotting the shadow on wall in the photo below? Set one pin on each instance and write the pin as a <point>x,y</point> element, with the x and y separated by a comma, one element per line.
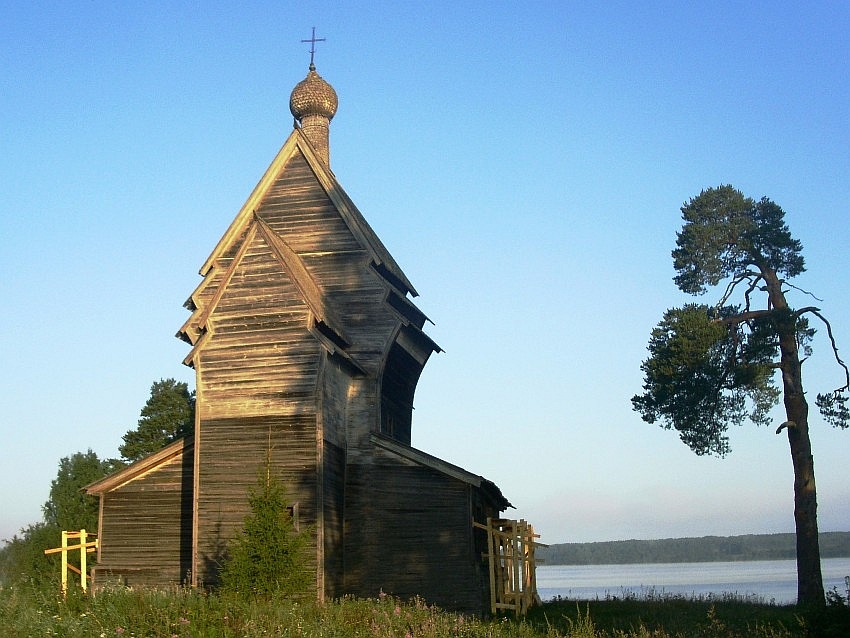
<point>409,533</point>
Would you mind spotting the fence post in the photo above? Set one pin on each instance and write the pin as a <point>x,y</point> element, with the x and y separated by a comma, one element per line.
<point>64,563</point>
<point>83,552</point>
<point>84,546</point>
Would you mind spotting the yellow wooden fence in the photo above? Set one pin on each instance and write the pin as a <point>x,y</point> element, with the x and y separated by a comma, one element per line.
<point>85,547</point>
<point>510,556</point>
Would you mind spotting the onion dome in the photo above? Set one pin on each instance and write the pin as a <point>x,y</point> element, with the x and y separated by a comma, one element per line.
<point>312,96</point>
<point>313,103</point>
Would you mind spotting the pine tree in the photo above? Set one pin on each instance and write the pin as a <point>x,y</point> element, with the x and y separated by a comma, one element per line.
<point>168,415</point>
<point>715,366</point>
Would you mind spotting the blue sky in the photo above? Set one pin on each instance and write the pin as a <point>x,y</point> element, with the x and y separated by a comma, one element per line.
<point>525,166</point>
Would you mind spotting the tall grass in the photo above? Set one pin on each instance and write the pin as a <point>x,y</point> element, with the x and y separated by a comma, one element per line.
<point>28,609</point>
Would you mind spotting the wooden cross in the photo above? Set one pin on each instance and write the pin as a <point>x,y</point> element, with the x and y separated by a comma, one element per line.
<point>312,42</point>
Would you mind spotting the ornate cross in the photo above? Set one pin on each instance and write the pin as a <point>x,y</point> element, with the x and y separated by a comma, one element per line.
<point>312,42</point>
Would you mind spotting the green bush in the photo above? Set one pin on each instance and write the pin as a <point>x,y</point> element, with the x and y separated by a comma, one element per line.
<point>22,558</point>
<point>269,556</point>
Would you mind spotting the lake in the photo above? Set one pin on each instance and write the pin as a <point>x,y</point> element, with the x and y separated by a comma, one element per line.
<point>770,581</point>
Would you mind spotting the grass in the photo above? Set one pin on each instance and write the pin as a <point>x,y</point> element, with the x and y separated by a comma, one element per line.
<point>29,610</point>
<point>672,617</point>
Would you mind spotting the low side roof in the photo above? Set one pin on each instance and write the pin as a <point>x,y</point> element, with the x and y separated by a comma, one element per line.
<point>142,466</point>
<point>444,467</point>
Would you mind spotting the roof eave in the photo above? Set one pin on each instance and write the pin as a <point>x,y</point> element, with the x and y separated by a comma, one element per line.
<point>140,467</point>
<point>444,467</point>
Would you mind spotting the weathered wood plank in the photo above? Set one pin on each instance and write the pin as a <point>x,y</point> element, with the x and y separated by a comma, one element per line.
<point>231,455</point>
<point>409,532</point>
<point>146,525</point>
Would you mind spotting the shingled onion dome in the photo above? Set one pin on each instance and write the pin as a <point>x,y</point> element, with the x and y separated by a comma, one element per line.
<point>313,103</point>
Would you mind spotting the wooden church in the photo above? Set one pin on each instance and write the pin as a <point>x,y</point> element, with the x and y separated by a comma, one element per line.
<point>307,350</point>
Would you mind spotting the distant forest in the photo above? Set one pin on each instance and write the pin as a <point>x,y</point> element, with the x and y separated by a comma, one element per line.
<point>689,550</point>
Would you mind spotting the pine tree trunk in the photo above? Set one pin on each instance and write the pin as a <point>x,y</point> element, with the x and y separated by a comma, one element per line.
<point>809,577</point>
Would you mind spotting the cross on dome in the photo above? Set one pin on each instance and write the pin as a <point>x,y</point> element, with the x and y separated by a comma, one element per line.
<point>313,39</point>
<point>313,103</point>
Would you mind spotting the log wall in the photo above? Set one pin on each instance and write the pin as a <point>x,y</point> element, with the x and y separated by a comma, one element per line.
<point>409,532</point>
<point>232,454</point>
<point>146,531</point>
<point>333,521</point>
<point>336,382</point>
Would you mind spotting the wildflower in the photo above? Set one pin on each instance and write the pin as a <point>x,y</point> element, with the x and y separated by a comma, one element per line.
<point>397,610</point>
<point>119,630</point>
<point>184,621</point>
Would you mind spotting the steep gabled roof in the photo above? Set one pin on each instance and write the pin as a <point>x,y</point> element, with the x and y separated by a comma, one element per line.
<point>323,313</point>
<point>352,217</point>
<point>248,226</point>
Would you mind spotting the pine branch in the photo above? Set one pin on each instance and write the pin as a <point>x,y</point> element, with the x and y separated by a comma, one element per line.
<point>803,290</point>
<point>816,312</point>
<point>743,317</point>
<point>747,275</point>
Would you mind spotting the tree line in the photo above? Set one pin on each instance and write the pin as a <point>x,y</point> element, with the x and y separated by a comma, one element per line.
<point>690,550</point>
<point>168,414</point>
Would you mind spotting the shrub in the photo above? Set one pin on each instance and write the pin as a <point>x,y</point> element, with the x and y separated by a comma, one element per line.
<point>268,557</point>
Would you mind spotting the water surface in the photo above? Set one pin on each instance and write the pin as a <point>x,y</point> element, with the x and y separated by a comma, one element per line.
<point>771,581</point>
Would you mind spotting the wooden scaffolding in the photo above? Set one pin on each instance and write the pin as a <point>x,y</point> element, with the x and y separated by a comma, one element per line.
<point>86,546</point>
<point>510,555</point>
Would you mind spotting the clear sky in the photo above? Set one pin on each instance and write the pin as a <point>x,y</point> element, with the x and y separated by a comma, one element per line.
<point>525,167</point>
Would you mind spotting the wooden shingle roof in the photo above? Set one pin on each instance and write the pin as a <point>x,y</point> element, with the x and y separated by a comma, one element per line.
<point>284,181</point>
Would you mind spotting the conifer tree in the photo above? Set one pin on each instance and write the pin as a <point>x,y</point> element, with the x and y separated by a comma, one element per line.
<point>712,366</point>
<point>168,415</point>
<point>269,556</point>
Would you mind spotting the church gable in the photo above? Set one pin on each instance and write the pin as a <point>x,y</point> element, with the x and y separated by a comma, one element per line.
<point>298,208</point>
<point>350,282</point>
<point>258,353</point>
<point>317,234</point>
